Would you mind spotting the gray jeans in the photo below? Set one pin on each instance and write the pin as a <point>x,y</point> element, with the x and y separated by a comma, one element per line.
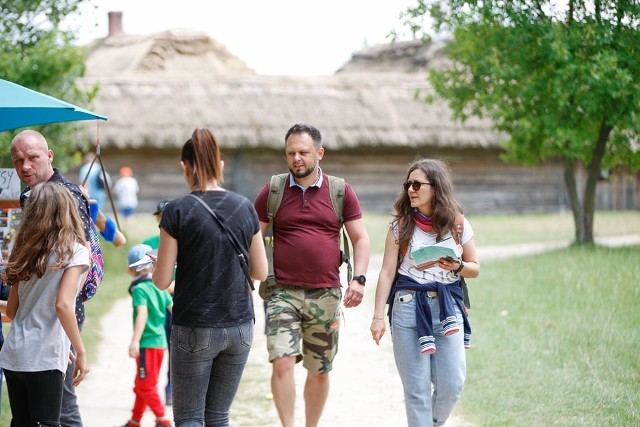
<point>206,367</point>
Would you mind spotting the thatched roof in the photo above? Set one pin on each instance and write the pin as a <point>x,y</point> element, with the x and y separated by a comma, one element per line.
<point>413,56</point>
<point>159,106</point>
<point>175,53</point>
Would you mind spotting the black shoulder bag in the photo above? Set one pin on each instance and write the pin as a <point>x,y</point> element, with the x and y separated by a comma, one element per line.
<point>232,239</point>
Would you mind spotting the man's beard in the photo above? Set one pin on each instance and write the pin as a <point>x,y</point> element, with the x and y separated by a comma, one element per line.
<point>303,174</point>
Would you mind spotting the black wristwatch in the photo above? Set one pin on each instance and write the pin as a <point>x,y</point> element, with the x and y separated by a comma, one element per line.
<point>459,269</point>
<point>360,279</point>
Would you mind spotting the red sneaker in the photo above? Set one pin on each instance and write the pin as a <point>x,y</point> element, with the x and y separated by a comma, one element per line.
<point>164,422</point>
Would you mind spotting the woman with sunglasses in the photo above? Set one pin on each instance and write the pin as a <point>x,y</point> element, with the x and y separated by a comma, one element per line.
<point>426,313</point>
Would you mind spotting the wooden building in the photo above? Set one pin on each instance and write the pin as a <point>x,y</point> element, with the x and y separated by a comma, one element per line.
<point>157,88</point>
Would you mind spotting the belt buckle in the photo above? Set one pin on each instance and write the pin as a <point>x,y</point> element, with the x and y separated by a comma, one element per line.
<point>432,294</point>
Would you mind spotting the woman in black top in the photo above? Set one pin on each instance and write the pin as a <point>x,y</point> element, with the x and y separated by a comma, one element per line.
<point>213,316</point>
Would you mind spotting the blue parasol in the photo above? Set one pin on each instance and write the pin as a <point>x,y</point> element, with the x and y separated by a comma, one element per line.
<point>21,107</point>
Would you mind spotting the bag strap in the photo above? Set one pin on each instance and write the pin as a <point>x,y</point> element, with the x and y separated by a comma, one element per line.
<point>276,191</point>
<point>458,228</point>
<point>458,231</point>
<point>232,239</point>
<point>336,192</point>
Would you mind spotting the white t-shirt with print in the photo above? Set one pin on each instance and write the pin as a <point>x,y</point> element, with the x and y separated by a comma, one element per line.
<point>36,339</point>
<point>421,239</point>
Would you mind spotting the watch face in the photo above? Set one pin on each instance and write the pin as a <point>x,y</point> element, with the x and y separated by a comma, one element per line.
<point>361,279</point>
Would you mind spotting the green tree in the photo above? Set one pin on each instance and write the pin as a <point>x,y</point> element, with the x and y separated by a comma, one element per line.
<point>37,53</point>
<point>560,78</point>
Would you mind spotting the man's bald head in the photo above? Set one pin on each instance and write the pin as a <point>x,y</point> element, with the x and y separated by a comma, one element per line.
<point>32,157</point>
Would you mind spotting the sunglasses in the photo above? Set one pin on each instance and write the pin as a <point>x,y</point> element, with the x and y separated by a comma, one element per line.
<point>416,185</point>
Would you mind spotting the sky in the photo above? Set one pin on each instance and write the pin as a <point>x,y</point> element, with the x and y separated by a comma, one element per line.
<point>275,37</point>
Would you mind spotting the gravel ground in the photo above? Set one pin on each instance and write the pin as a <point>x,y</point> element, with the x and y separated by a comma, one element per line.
<point>365,387</point>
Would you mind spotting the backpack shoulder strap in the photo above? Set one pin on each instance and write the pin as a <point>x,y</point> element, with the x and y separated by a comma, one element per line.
<point>274,198</point>
<point>458,231</point>
<point>402,250</point>
<point>458,228</point>
<point>276,190</point>
<point>336,191</point>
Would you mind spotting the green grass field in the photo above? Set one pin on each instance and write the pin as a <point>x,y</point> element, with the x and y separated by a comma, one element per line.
<point>555,338</point>
<point>495,230</point>
<point>554,335</point>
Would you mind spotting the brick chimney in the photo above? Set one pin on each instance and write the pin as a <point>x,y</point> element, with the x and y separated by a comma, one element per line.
<point>115,23</point>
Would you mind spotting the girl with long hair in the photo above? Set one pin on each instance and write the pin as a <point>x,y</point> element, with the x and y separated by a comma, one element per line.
<point>213,317</point>
<point>45,271</point>
<point>427,315</point>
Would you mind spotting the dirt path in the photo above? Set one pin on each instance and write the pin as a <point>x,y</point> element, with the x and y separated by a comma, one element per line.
<point>365,387</point>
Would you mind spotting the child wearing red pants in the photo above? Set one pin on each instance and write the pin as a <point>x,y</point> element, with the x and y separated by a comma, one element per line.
<point>149,340</point>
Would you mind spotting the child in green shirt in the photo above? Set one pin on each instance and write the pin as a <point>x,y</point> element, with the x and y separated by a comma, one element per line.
<point>149,339</point>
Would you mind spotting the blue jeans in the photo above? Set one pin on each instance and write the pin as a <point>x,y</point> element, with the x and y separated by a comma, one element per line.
<point>206,367</point>
<point>445,369</point>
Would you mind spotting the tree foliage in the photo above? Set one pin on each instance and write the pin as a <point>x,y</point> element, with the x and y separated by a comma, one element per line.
<point>37,53</point>
<point>560,78</point>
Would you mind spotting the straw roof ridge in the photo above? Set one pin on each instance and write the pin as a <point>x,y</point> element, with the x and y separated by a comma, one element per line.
<point>172,53</point>
<point>410,56</point>
<point>173,44</point>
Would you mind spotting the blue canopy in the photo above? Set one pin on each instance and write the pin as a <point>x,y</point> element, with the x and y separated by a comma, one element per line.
<point>21,107</point>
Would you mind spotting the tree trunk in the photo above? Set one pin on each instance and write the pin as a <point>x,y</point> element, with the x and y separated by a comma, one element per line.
<point>584,210</point>
<point>574,203</point>
<point>593,173</point>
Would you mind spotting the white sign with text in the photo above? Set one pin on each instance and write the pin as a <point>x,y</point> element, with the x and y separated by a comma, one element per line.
<point>9,184</point>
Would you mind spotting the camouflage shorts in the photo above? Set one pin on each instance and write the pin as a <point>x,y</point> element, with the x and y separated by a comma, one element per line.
<point>304,323</point>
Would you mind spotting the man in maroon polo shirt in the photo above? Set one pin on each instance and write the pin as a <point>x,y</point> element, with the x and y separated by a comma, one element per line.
<point>303,311</point>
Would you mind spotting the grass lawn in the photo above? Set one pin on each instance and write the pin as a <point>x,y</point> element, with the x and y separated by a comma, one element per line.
<point>553,334</point>
<point>496,230</point>
<point>555,340</point>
